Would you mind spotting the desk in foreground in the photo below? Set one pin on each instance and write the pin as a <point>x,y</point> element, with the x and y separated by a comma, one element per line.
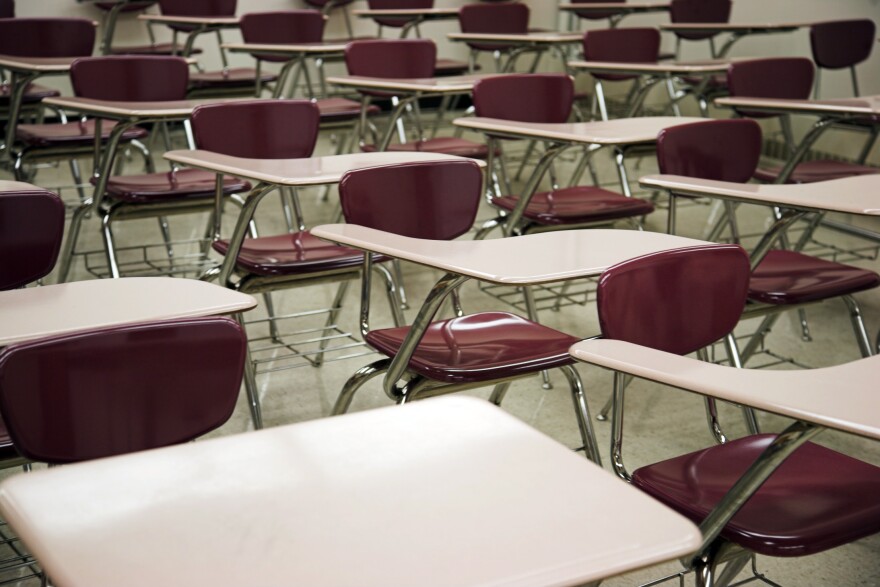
<point>31,313</point>
<point>450,491</point>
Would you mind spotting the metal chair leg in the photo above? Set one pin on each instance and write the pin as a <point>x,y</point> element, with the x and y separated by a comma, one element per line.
<point>582,412</point>
<point>77,179</point>
<point>335,308</point>
<point>498,393</point>
<point>532,312</point>
<point>250,384</point>
<point>110,245</point>
<point>858,324</point>
<point>355,382</point>
<point>166,238</point>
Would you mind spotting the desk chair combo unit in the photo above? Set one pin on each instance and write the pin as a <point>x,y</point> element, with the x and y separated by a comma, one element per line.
<point>199,17</point>
<point>139,89</point>
<point>280,130</point>
<point>111,11</point>
<point>774,495</point>
<point>49,46</point>
<point>784,278</point>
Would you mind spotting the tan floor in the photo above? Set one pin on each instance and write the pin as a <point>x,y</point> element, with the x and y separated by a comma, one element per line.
<point>660,422</point>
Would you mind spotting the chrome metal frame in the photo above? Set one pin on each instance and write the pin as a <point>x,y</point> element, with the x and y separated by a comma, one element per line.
<point>402,385</point>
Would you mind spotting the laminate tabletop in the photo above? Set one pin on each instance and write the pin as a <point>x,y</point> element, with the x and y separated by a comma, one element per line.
<point>474,496</point>
<point>38,312</point>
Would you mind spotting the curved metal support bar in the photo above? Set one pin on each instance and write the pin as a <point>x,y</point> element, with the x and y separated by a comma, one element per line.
<point>398,111</point>
<point>811,137</point>
<point>617,428</point>
<point>355,382</point>
<point>241,230</point>
<point>513,219</point>
<point>785,220</point>
<point>582,412</point>
<point>419,326</point>
<point>780,449</point>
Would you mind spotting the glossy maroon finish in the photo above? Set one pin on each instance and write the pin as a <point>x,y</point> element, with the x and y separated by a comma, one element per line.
<point>676,301</point>
<point>721,150</point>
<point>450,67</point>
<point>540,97</point>
<point>234,77</point>
<point>816,500</point>
<point>816,170</point>
<point>31,230</point>
<point>130,78</point>
<point>596,15</point>
<point>434,200</point>
<point>391,58</point>
<point>70,134</point>
<point>787,277</point>
<point>47,37</point>
<point>397,4</point>
<point>775,77</point>
<point>258,129</point>
<point>182,184</point>
<point>285,27</point>
<point>342,109</point>
<point>699,11</point>
<point>577,205</point>
<point>291,254</point>
<point>32,95</point>
<point>107,392</point>
<point>842,43</point>
<point>630,45</point>
<point>7,8</point>
<point>479,347</point>
<point>505,18</point>
<point>444,145</point>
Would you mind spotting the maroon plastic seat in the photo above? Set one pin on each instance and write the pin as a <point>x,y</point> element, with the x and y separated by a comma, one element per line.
<point>816,500</point>
<point>547,98</point>
<point>170,186</point>
<point>842,44</point>
<point>729,150</point>
<point>34,94</point>
<point>171,382</point>
<point>397,59</point>
<point>31,230</point>
<point>480,347</point>
<point>291,254</point>
<point>787,78</point>
<point>439,201</point>
<point>73,134</point>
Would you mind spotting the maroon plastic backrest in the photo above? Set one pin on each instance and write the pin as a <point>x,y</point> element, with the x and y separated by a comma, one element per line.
<point>721,150</point>
<point>699,11</point>
<point>776,77</point>
<point>506,18</point>
<point>290,26</point>
<point>106,392</point>
<point>31,230</point>
<point>545,98</point>
<point>397,4</point>
<point>7,8</point>
<point>596,15</point>
<point>436,200</point>
<point>676,301</point>
<point>130,78</point>
<point>258,129</point>
<point>210,8</point>
<point>636,45</point>
<point>842,43</point>
<point>392,58</point>
<point>47,37</point>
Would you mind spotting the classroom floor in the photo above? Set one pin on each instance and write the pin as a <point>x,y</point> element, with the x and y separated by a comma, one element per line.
<point>660,422</point>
